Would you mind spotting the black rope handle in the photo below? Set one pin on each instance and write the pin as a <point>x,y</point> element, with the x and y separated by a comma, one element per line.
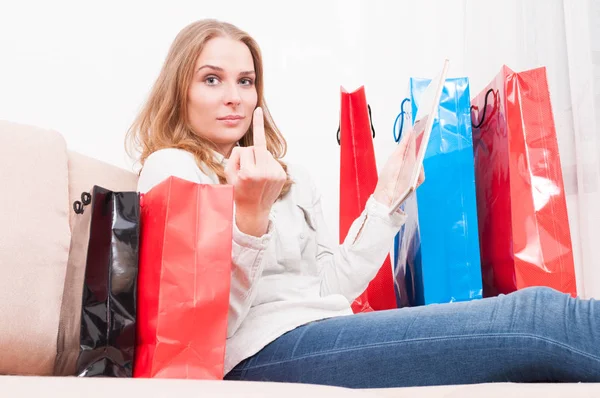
<point>370,121</point>
<point>78,206</point>
<point>485,103</point>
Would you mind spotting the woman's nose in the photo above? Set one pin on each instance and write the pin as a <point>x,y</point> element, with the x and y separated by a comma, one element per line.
<point>232,95</point>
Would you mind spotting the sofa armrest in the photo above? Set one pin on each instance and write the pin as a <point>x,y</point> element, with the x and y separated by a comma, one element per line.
<point>34,246</point>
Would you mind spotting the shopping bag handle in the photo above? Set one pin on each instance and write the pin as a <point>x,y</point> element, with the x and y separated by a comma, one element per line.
<point>485,103</point>
<point>400,116</point>
<point>370,121</point>
<point>78,206</point>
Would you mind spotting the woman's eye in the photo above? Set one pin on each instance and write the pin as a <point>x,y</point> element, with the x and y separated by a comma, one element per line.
<point>211,80</point>
<point>246,82</point>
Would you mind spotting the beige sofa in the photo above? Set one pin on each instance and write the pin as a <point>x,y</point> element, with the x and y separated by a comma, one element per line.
<point>40,178</point>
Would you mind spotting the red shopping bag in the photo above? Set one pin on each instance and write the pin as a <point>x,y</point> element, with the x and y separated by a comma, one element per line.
<point>358,178</point>
<point>523,224</point>
<point>184,279</point>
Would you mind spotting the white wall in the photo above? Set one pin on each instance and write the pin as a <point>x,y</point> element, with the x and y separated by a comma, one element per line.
<point>85,69</point>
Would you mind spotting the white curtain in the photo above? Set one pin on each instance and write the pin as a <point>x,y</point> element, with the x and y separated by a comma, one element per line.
<point>582,34</point>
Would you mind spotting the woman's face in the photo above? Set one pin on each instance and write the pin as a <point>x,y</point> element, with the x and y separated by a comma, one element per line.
<point>222,95</point>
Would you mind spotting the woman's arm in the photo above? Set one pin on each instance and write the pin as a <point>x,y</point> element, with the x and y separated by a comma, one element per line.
<point>348,268</point>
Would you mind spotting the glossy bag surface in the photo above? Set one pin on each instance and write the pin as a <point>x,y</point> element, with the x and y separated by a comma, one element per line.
<point>184,277</point>
<point>108,310</point>
<point>438,258</point>
<point>523,221</point>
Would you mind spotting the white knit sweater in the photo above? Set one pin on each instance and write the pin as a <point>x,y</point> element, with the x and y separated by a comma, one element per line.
<point>295,273</point>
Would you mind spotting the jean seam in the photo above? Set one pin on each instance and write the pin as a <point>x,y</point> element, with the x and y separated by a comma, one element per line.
<point>458,337</point>
<point>243,372</point>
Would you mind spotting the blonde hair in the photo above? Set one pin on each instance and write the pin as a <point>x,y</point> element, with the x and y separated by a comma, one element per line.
<point>163,120</point>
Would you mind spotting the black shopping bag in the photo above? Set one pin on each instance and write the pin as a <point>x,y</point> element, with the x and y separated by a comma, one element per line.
<point>97,332</point>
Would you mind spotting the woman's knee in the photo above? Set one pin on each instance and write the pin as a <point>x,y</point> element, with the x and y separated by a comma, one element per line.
<point>541,292</point>
<point>537,296</point>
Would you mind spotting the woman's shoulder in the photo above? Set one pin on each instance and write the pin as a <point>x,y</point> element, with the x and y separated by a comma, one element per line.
<point>170,156</point>
<point>168,162</point>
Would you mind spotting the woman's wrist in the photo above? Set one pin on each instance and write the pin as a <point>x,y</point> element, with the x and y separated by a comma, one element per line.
<point>381,197</point>
<point>252,222</point>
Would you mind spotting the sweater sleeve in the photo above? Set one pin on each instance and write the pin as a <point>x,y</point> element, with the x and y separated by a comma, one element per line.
<point>348,268</point>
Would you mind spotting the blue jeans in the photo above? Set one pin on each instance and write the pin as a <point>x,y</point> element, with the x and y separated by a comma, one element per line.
<point>532,335</point>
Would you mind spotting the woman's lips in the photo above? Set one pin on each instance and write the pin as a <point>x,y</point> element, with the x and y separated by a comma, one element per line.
<point>231,120</point>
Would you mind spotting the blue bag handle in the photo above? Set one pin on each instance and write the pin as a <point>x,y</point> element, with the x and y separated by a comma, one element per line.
<point>400,116</point>
<point>397,139</point>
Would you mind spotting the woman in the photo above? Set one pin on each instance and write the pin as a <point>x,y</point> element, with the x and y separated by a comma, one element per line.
<point>290,318</point>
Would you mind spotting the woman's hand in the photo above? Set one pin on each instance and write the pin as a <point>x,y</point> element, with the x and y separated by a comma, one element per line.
<point>257,179</point>
<point>397,172</point>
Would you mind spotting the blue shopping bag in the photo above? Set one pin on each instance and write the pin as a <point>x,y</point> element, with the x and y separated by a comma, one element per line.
<point>436,253</point>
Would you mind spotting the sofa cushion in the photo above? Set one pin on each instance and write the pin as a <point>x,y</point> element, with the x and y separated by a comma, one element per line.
<point>74,387</point>
<point>496,390</point>
<point>69,325</point>
<point>34,246</point>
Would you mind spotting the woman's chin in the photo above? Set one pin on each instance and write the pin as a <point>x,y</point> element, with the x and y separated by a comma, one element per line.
<point>228,136</point>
